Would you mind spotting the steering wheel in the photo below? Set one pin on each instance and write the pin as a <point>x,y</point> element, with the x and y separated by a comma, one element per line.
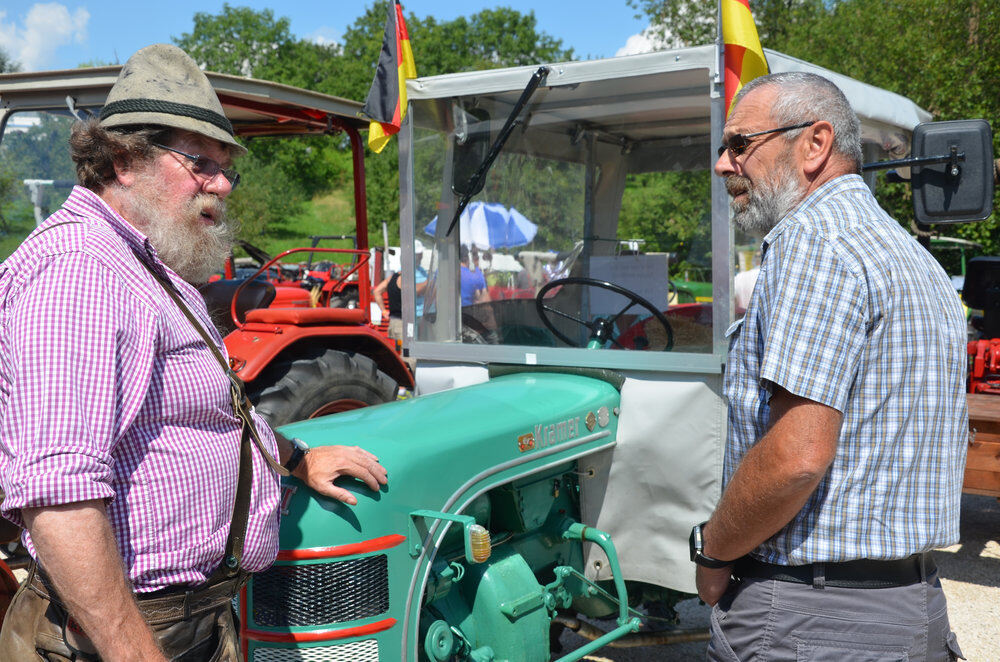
<point>602,329</point>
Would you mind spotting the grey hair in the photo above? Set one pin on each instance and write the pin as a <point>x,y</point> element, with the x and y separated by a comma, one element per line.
<point>803,97</point>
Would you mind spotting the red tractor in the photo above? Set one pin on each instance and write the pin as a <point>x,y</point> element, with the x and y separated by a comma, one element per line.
<point>981,291</point>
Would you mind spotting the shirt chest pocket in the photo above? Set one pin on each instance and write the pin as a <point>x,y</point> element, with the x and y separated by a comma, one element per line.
<point>733,332</point>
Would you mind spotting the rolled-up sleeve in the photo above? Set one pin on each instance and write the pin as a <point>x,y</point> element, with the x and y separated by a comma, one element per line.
<point>81,348</point>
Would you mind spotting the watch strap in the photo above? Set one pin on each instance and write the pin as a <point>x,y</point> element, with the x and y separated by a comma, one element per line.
<point>698,556</point>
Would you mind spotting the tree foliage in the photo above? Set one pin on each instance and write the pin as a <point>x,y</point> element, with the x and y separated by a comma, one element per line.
<point>243,41</point>
<point>692,22</point>
<point>7,63</point>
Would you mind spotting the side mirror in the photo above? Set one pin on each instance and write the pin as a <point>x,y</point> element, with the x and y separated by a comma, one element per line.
<point>472,144</point>
<point>958,187</point>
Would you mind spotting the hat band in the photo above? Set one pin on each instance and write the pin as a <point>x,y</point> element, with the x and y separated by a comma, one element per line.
<point>168,108</point>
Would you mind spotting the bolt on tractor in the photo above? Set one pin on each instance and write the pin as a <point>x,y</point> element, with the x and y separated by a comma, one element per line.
<point>563,443</point>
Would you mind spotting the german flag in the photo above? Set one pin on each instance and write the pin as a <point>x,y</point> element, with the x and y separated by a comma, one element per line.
<point>744,58</point>
<point>386,103</point>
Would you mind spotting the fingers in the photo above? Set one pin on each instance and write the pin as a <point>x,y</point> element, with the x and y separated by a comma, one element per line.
<point>325,464</point>
<point>340,494</point>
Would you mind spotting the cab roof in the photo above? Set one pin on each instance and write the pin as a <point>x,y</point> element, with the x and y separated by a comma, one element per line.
<point>255,107</point>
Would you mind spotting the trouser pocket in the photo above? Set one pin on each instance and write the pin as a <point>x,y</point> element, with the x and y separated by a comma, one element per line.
<point>818,646</point>
<point>719,649</point>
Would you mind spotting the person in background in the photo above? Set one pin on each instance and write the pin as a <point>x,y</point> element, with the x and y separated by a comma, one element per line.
<point>147,487</point>
<point>392,302</point>
<point>472,280</point>
<point>844,459</point>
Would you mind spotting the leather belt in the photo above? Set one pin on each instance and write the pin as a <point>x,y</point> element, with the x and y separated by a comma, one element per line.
<point>860,573</point>
<point>166,605</point>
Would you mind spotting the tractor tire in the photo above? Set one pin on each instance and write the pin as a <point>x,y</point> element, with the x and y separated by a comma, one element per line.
<point>327,382</point>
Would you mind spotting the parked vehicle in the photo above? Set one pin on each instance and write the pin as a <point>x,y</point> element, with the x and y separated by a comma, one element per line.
<point>562,445</point>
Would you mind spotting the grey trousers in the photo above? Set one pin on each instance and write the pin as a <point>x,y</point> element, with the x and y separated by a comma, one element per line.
<point>764,620</point>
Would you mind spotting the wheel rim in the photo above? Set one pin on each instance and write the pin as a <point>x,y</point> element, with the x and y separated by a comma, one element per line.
<point>337,406</point>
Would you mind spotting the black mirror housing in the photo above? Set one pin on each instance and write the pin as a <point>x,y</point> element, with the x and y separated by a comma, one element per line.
<point>960,189</point>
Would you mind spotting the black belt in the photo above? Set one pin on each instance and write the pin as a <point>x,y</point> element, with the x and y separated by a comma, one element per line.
<point>861,573</point>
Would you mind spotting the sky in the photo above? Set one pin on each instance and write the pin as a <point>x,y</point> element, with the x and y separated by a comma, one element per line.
<point>65,34</point>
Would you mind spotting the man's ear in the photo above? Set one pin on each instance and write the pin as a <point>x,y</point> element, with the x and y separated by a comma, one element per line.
<point>124,174</point>
<point>818,147</point>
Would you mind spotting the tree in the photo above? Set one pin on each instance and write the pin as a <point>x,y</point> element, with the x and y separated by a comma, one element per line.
<point>490,39</point>
<point>942,54</point>
<point>7,63</point>
<point>280,175</point>
<point>238,40</point>
<point>243,41</point>
<point>693,22</point>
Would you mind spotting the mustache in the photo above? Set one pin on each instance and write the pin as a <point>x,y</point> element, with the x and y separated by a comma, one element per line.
<point>208,203</point>
<point>737,184</point>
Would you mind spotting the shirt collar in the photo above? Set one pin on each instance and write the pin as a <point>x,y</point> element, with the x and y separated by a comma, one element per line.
<point>82,198</point>
<point>832,187</point>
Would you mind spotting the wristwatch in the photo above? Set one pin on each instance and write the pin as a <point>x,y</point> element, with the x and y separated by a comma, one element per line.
<point>299,450</point>
<point>697,545</point>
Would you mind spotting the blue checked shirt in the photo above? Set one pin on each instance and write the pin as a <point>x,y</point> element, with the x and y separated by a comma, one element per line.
<point>849,311</point>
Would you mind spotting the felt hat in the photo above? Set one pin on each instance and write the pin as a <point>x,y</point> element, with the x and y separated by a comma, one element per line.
<point>162,85</point>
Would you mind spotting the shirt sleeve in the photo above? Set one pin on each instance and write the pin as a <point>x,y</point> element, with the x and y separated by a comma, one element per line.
<point>82,347</point>
<point>815,319</point>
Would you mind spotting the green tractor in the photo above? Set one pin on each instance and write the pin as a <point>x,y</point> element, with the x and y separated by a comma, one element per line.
<point>562,443</point>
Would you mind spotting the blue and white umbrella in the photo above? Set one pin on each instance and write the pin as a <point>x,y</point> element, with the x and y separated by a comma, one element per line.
<point>490,225</point>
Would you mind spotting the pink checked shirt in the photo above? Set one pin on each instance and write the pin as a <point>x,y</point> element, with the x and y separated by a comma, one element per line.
<point>106,392</point>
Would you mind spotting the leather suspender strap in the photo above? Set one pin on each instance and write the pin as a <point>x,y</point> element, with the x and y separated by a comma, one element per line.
<point>241,403</point>
<point>233,558</point>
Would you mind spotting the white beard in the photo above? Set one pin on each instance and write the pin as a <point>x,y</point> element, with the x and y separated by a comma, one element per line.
<point>182,239</point>
<point>768,200</point>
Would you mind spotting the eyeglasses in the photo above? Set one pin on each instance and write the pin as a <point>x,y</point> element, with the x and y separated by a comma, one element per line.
<point>737,144</point>
<point>208,168</point>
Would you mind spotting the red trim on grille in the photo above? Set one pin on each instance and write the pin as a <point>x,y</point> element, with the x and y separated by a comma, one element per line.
<point>323,635</point>
<point>377,544</point>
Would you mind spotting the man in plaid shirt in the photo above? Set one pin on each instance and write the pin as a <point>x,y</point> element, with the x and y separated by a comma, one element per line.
<point>119,443</point>
<point>847,415</point>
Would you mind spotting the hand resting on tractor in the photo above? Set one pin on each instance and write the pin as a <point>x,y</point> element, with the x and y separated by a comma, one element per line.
<point>324,464</point>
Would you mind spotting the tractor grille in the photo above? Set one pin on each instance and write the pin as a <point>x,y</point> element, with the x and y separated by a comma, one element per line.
<point>357,651</point>
<point>321,593</point>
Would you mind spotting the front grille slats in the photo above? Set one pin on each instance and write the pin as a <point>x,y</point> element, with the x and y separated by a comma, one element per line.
<point>321,593</point>
<point>356,651</point>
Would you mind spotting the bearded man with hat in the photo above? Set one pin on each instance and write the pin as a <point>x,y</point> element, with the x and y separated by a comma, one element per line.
<point>147,486</point>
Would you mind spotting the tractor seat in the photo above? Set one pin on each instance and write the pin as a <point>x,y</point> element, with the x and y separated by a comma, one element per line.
<point>307,316</point>
<point>219,298</point>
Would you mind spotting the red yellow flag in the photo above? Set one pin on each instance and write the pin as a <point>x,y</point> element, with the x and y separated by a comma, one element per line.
<point>744,58</point>
<point>386,103</point>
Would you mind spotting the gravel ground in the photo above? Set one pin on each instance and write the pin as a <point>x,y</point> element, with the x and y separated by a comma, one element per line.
<point>970,575</point>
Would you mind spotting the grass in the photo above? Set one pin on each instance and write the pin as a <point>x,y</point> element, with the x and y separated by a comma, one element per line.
<point>328,214</point>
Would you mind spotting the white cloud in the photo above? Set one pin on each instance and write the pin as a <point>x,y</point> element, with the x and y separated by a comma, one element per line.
<point>644,42</point>
<point>324,36</point>
<point>46,27</point>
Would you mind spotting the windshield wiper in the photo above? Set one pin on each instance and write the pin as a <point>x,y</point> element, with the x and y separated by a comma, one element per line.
<point>476,182</point>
